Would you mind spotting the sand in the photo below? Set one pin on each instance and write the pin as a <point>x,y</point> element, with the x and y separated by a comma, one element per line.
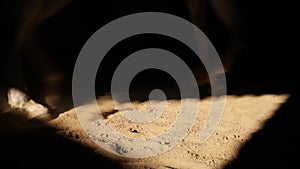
<point>243,116</point>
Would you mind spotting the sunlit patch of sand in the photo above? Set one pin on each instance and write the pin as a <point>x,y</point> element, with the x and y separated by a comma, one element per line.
<point>243,115</point>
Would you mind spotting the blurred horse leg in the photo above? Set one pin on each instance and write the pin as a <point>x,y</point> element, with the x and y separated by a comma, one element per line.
<point>230,18</point>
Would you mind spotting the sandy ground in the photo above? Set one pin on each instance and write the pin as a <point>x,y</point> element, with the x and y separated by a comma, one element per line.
<point>243,116</point>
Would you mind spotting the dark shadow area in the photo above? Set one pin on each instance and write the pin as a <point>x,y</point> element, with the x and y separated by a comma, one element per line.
<point>268,63</point>
<point>81,19</point>
<point>268,66</point>
<point>29,144</point>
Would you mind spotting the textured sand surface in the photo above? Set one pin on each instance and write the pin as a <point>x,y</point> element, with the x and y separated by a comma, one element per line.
<point>243,115</point>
